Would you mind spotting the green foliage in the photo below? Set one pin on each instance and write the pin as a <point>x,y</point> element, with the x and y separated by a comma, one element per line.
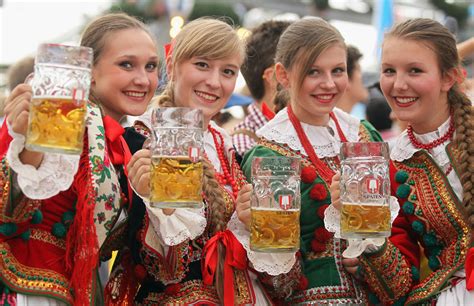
<point>321,5</point>
<point>132,10</point>
<point>215,9</point>
<point>458,11</point>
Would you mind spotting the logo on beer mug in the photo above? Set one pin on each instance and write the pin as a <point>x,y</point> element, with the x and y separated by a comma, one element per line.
<point>372,185</point>
<point>193,154</point>
<point>285,202</point>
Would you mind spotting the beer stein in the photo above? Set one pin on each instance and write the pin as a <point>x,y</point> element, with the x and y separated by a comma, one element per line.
<point>61,81</point>
<point>365,190</point>
<point>176,166</point>
<point>275,204</point>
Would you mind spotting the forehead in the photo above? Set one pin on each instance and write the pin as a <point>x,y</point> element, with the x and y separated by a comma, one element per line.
<point>127,39</point>
<point>397,49</point>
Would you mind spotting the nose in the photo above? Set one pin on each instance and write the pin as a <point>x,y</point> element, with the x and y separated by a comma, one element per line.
<point>141,78</point>
<point>328,82</point>
<point>400,83</point>
<point>213,79</point>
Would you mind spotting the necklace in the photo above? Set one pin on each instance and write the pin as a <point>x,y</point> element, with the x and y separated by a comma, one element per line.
<point>427,146</point>
<point>323,170</point>
<point>224,178</point>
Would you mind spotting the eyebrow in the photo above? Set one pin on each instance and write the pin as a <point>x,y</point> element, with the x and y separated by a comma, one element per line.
<point>338,64</point>
<point>154,57</point>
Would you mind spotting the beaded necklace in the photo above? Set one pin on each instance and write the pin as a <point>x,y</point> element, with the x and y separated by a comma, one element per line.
<point>224,178</point>
<point>433,144</point>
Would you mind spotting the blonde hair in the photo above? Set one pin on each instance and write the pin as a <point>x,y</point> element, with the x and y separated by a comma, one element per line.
<point>210,39</point>
<point>303,41</point>
<point>96,32</point>
<point>443,43</point>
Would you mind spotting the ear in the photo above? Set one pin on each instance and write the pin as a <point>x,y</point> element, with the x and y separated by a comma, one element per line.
<point>282,75</point>
<point>449,78</point>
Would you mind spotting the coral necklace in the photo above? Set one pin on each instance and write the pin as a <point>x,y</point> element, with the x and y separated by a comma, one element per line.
<point>224,178</point>
<point>427,146</point>
<point>323,170</point>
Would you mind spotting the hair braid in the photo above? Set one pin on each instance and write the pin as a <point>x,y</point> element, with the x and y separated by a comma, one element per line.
<point>462,112</point>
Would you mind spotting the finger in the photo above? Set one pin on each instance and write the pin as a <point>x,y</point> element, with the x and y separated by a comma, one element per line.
<point>137,157</point>
<point>11,105</point>
<point>351,270</point>
<point>140,167</point>
<point>350,262</point>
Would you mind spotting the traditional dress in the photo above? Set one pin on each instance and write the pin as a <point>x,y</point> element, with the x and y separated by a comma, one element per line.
<point>50,248</point>
<point>164,261</point>
<point>430,224</point>
<point>316,275</point>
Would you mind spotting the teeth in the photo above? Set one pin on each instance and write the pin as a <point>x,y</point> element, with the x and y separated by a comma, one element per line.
<point>135,94</point>
<point>205,96</point>
<point>324,97</point>
<point>406,100</point>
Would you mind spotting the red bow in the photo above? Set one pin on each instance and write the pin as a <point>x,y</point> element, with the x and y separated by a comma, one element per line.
<point>470,269</point>
<point>117,147</point>
<point>235,256</point>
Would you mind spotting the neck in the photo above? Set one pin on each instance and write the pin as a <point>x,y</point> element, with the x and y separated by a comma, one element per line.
<point>316,120</point>
<point>431,124</point>
<point>268,100</point>
<point>346,104</point>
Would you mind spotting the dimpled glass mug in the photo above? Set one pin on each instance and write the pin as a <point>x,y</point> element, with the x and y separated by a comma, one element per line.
<point>176,166</point>
<point>275,204</point>
<point>60,83</point>
<point>365,190</point>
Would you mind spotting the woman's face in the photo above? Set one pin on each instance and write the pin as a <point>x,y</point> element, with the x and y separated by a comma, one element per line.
<point>322,87</point>
<point>125,77</point>
<point>413,84</point>
<point>205,84</point>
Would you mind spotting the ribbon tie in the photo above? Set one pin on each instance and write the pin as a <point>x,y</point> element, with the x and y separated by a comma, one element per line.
<point>470,269</point>
<point>117,147</point>
<point>235,256</point>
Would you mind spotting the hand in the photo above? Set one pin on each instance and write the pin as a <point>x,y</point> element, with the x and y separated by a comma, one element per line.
<point>17,106</point>
<point>351,265</point>
<point>336,191</point>
<point>242,207</point>
<point>139,170</point>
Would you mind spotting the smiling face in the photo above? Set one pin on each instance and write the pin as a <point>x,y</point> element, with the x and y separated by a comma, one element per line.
<point>413,84</point>
<point>322,87</point>
<point>205,84</point>
<point>125,77</point>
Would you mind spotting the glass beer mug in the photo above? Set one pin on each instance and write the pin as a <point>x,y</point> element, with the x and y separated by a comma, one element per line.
<point>275,204</point>
<point>176,166</point>
<point>365,190</point>
<point>60,83</point>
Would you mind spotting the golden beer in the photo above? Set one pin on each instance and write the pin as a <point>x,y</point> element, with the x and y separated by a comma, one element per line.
<point>359,220</point>
<point>56,125</point>
<point>273,230</point>
<point>175,182</point>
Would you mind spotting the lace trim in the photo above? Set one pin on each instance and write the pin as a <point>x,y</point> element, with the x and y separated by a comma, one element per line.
<point>332,221</point>
<point>176,228</point>
<point>325,139</point>
<point>55,174</point>
<point>271,263</point>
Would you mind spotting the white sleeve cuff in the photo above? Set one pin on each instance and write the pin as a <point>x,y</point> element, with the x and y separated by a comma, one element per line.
<point>55,174</point>
<point>183,224</point>
<point>271,263</point>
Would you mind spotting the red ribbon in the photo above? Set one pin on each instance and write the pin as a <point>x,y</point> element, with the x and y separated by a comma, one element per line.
<point>267,112</point>
<point>235,256</point>
<point>117,147</point>
<point>469,267</point>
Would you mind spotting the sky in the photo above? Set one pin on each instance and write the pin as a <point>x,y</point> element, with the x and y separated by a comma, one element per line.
<point>26,23</point>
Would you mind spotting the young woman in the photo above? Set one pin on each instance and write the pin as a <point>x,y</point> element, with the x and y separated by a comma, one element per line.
<point>172,253</point>
<point>50,247</point>
<point>311,66</point>
<point>432,171</point>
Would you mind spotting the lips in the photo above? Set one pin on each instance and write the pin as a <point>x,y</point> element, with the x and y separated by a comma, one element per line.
<point>206,97</point>
<point>324,98</point>
<point>405,101</point>
<point>135,95</point>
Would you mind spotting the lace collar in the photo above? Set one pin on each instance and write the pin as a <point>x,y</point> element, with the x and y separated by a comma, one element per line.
<point>403,149</point>
<point>325,139</point>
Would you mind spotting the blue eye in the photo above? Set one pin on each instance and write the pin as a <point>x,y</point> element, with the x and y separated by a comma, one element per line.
<point>126,64</point>
<point>388,71</point>
<point>229,72</point>
<point>201,64</point>
<point>313,72</point>
<point>416,70</point>
<point>151,66</point>
<point>339,70</point>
